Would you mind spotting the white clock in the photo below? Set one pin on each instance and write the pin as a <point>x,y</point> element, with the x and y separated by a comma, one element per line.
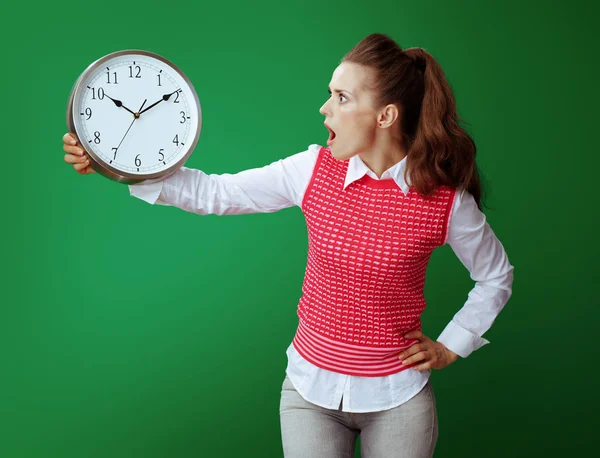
<point>136,114</point>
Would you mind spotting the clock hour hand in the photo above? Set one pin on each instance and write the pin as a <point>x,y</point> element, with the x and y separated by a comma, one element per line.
<point>164,97</point>
<point>119,103</point>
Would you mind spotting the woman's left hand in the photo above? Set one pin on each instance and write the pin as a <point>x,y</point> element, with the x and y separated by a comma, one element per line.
<point>433,355</point>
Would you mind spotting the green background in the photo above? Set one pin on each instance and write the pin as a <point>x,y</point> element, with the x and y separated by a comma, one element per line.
<point>130,330</point>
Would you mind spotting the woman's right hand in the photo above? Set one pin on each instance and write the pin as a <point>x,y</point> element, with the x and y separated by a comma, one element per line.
<point>76,154</point>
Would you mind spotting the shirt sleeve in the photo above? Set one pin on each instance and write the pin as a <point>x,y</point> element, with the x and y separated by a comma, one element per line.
<point>475,244</point>
<point>273,187</point>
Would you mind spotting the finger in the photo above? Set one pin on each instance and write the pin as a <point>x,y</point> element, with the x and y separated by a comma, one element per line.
<point>422,367</point>
<point>88,170</point>
<point>69,138</point>
<point>415,358</point>
<point>80,166</point>
<point>78,150</point>
<point>74,159</point>
<point>413,349</point>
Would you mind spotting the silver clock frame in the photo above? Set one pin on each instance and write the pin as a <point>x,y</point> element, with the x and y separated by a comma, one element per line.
<point>100,165</point>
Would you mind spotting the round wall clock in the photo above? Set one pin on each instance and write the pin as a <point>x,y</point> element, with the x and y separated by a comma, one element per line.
<point>136,114</point>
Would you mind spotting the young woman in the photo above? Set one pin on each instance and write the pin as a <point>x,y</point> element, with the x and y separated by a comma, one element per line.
<point>397,180</point>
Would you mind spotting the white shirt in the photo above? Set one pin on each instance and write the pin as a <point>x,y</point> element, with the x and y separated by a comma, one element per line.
<point>282,184</point>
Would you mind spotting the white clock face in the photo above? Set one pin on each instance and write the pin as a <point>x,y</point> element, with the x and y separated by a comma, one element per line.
<point>137,114</point>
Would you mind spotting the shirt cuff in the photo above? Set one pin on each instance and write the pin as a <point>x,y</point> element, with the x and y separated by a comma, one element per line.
<point>147,192</point>
<point>460,340</point>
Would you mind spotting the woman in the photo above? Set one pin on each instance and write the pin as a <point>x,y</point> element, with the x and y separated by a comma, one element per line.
<point>397,180</point>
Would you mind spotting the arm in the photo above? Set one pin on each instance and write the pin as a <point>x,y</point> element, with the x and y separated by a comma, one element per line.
<point>260,190</point>
<point>480,251</point>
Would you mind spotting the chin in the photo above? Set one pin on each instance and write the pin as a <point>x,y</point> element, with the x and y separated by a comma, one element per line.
<point>340,156</point>
<point>333,151</point>
<point>335,156</point>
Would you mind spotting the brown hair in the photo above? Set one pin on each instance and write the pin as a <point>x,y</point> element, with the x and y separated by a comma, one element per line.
<point>439,150</point>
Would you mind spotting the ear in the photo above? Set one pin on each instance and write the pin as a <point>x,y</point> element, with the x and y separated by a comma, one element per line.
<point>388,115</point>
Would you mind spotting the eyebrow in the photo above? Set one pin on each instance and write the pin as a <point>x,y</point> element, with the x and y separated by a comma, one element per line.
<point>339,90</point>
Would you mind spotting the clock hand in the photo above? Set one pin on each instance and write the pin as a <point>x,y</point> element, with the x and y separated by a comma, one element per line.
<point>164,97</point>
<point>134,118</point>
<point>119,103</point>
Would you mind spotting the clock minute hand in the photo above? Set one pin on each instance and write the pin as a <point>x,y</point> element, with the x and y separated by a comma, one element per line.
<point>164,97</point>
<point>119,103</point>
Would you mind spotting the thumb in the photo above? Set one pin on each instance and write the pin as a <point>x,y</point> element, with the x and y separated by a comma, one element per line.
<point>414,334</point>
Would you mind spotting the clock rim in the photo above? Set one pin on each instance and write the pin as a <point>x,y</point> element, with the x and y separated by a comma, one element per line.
<point>100,165</point>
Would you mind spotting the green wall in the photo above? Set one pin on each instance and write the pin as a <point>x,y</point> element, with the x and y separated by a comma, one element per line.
<point>130,330</point>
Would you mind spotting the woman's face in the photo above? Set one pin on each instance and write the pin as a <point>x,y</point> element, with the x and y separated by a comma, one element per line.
<point>349,111</point>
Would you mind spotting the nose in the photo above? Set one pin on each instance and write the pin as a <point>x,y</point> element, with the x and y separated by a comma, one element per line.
<point>322,109</point>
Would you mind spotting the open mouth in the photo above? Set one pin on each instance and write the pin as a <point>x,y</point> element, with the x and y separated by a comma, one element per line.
<point>331,136</point>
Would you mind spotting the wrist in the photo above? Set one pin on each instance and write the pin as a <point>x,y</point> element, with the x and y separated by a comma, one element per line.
<point>451,355</point>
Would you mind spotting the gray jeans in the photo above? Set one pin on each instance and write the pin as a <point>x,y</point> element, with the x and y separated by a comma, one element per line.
<point>309,431</point>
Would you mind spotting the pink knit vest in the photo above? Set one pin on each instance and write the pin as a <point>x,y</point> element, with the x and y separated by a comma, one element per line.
<point>368,250</point>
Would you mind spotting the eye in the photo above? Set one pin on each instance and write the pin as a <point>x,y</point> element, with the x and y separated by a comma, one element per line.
<point>341,95</point>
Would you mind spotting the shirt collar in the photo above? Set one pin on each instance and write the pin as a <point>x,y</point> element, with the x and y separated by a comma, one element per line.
<point>357,169</point>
